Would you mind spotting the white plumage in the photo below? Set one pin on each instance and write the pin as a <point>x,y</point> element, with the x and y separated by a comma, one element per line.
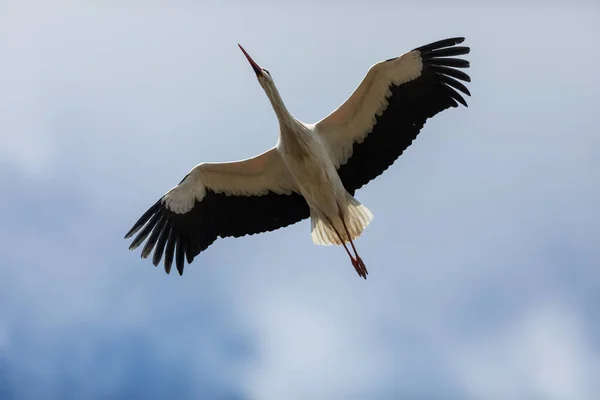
<point>315,169</point>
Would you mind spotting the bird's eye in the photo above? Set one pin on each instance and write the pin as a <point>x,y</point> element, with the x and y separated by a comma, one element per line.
<point>268,73</point>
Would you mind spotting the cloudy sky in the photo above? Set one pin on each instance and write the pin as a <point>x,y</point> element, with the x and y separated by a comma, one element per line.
<point>483,255</point>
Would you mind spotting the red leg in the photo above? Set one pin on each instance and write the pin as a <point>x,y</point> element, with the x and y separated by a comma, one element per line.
<point>361,271</point>
<point>359,260</point>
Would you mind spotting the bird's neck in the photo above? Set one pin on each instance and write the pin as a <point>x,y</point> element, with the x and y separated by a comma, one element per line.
<point>293,135</point>
<point>283,115</point>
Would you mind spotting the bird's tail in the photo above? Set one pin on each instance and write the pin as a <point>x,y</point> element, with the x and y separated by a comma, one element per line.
<point>356,216</point>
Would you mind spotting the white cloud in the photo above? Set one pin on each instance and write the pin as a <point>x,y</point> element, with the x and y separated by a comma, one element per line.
<point>25,134</point>
<point>316,347</point>
<point>544,354</point>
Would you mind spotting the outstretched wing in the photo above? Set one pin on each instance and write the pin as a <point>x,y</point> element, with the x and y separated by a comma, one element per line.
<point>219,200</point>
<point>386,112</point>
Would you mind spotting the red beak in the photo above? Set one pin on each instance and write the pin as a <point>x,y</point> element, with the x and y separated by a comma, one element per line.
<point>257,69</point>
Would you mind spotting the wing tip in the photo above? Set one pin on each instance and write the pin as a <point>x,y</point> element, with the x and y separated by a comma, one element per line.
<point>143,219</point>
<point>439,44</point>
<point>438,57</point>
<point>136,227</point>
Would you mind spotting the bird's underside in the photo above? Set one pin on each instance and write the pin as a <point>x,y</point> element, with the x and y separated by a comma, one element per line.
<point>361,138</point>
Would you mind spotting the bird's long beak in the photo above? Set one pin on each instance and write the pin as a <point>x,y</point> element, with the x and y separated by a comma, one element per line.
<point>257,69</point>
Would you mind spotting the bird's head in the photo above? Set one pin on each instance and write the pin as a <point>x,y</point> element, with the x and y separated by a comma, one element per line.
<point>266,82</point>
<point>263,76</point>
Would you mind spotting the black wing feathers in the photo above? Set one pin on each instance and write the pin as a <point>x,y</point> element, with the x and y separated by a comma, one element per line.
<point>181,237</point>
<point>440,44</point>
<point>162,242</point>
<point>143,219</point>
<point>409,106</point>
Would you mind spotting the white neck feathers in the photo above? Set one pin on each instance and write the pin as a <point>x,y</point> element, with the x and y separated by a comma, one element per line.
<point>283,115</point>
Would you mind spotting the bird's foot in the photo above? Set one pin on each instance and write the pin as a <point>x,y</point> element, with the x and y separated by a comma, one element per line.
<point>360,267</point>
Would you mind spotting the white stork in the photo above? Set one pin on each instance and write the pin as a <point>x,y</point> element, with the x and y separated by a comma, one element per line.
<point>314,169</point>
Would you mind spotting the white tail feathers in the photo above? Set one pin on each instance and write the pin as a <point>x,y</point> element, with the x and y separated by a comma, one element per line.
<point>356,216</point>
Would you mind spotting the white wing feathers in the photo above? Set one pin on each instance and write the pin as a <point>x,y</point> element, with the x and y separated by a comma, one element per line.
<point>354,119</point>
<point>250,177</point>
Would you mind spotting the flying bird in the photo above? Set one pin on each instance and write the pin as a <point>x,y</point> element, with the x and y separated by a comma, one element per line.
<point>314,169</point>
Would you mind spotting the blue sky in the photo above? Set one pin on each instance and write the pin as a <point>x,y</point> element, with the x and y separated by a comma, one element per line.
<point>483,254</point>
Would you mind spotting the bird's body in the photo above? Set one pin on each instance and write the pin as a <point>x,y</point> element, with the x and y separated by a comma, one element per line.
<point>313,172</point>
<point>314,169</point>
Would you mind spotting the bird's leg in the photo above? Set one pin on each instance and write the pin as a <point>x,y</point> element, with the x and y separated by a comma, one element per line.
<point>359,260</point>
<point>361,271</point>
